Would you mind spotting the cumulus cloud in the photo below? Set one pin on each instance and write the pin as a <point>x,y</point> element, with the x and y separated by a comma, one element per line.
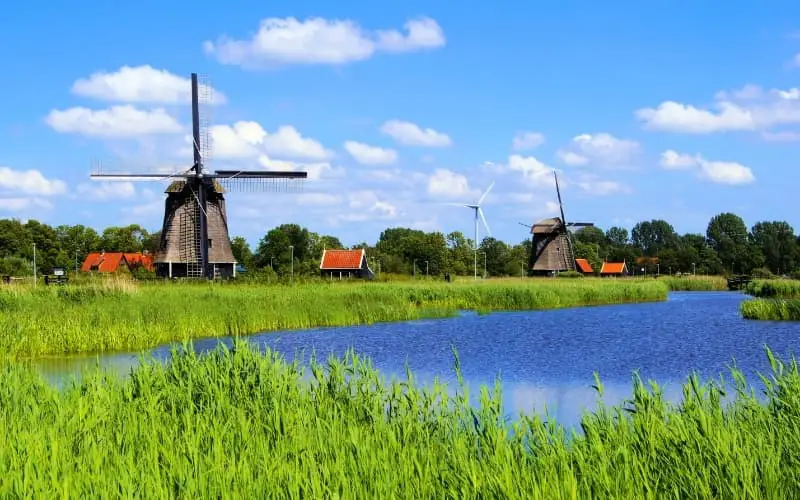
<point>719,172</point>
<point>370,155</point>
<point>526,141</point>
<point>448,184</point>
<point>315,40</point>
<point>106,190</point>
<point>410,134</point>
<point>601,149</point>
<point>750,108</point>
<point>30,182</point>
<point>248,139</point>
<point>115,122</point>
<point>141,84</point>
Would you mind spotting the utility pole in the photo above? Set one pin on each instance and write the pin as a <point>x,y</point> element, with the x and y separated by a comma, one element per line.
<point>291,247</point>
<point>484,265</point>
<point>426,268</point>
<point>34,264</point>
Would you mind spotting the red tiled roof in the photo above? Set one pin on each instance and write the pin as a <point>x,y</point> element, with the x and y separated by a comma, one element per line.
<point>109,262</point>
<point>613,268</point>
<point>342,259</point>
<point>139,259</point>
<point>584,266</point>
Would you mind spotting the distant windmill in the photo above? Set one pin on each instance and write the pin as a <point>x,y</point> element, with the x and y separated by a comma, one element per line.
<point>552,246</point>
<point>194,238</point>
<point>478,211</point>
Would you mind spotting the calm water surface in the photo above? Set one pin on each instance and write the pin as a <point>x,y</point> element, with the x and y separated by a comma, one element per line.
<point>542,357</point>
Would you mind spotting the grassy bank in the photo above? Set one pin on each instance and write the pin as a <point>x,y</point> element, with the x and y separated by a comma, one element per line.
<point>113,316</point>
<point>238,423</point>
<point>776,300</point>
<point>695,283</point>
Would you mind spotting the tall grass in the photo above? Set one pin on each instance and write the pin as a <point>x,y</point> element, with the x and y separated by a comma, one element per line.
<point>696,283</point>
<point>118,316</point>
<point>777,300</point>
<point>236,423</point>
<point>786,289</point>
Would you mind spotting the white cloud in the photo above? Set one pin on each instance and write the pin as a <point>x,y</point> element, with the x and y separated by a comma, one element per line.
<point>283,41</point>
<point>21,204</point>
<point>747,109</point>
<point>672,160</point>
<point>599,149</point>
<point>449,184</point>
<point>247,139</point>
<point>370,155</point>
<point>527,140</point>
<point>366,205</point>
<point>533,171</point>
<point>141,84</point>
<point>29,182</point>
<point>106,190</point>
<point>604,187</point>
<point>114,122</point>
<point>570,158</point>
<point>781,136</point>
<point>719,172</point>
<point>410,134</point>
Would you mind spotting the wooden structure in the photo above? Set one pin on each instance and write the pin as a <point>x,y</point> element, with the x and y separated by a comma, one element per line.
<point>583,266</point>
<point>345,264</point>
<point>738,282</point>
<point>111,262</point>
<point>552,249</point>
<point>617,269</point>
<point>195,242</point>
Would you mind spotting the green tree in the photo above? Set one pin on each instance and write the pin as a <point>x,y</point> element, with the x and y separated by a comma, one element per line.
<point>653,236</point>
<point>617,236</point>
<point>777,242</point>
<point>242,253</point>
<point>727,235</point>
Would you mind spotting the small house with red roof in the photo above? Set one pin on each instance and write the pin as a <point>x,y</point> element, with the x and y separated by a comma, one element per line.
<point>583,266</point>
<point>614,269</point>
<point>112,262</point>
<point>336,263</point>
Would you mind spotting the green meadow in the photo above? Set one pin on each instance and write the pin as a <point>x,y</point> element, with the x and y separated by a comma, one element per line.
<point>776,300</point>
<point>238,423</point>
<point>122,315</point>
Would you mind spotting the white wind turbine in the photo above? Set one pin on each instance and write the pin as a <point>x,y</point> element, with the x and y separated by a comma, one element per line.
<point>478,214</point>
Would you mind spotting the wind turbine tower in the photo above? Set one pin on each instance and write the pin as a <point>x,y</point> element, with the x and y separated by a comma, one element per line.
<point>479,214</point>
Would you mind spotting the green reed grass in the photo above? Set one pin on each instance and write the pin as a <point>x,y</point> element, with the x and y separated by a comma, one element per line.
<point>780,288</point>
<point>695,283</point>
<point>115,316</point>
<point>771,309</point>
<point>239,424</point>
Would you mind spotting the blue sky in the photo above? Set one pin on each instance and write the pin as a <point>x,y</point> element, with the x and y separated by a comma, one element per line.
<point>676,112</point>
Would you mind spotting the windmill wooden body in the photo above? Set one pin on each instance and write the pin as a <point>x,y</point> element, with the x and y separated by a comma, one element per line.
<point>195,242</point>
<point>552,249</point>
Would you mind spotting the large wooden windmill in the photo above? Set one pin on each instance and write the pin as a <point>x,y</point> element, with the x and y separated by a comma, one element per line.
<point>552,250</point>
<point>194,237</point>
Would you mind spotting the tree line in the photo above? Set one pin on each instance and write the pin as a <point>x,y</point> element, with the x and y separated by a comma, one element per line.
<point>727,247</point>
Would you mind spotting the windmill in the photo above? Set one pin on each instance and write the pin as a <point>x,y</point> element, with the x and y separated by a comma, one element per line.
<point>552,247</point>
<point>195,242</point>
<point>478,215</point>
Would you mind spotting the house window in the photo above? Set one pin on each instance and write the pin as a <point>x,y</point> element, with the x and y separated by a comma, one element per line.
<point>94,268</point>
<point>209,243</point>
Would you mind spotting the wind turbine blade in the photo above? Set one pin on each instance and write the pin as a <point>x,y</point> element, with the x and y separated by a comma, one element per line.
<point>486,192</point>
<point>485,224</point>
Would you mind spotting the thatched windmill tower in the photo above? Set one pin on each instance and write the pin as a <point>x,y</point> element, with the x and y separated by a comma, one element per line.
<point>552,250</point>
<point>194,236</point>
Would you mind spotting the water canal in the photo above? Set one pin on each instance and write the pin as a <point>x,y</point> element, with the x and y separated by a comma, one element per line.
<point>542,357</point>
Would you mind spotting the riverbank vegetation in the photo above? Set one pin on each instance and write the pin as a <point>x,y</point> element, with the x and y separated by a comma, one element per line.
<point>123,315</point>
<point>237,422</point>
<point>776,300</point>
<point>695,283</point>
